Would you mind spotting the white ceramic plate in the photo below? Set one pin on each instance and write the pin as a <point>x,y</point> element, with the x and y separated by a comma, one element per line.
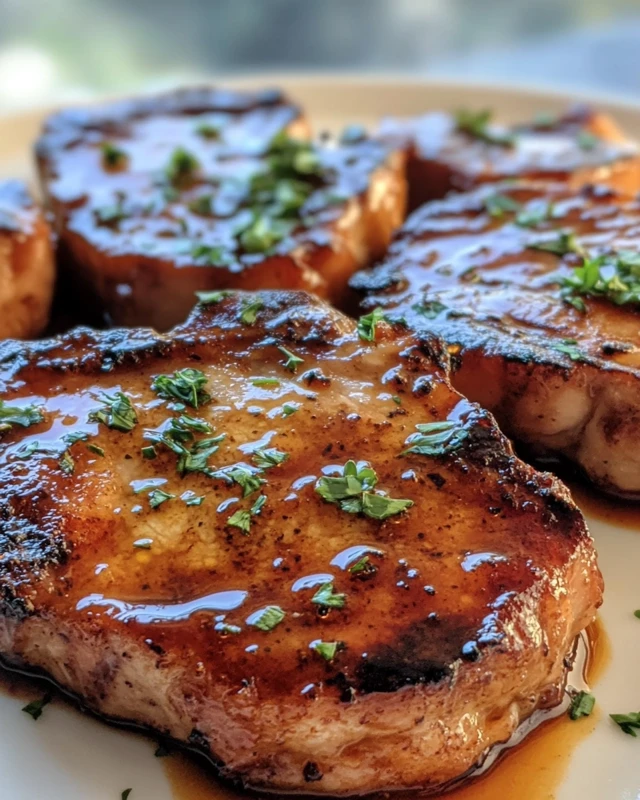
<point>67,756</point>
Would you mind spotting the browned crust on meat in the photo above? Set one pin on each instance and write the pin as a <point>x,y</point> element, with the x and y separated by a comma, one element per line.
<point>26,264</point>
<point>391,709</point>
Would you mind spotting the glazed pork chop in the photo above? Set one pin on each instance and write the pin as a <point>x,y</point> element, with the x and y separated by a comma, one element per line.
<point>536,289</point>
<point>26,264</point>
<point>159,197</point>
<point>284,539</point>
<point>455,152</point>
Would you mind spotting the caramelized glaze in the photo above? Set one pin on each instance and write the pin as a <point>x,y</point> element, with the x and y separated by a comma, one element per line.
<point>491,559</point>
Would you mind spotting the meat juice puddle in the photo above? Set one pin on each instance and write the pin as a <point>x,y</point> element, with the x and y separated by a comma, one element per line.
<point>531,766</point>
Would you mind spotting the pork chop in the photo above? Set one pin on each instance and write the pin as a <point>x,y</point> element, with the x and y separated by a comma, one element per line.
<point>284,539</point>
<point>158,197</point>
<point>26,264</point>
<point>536,290</point>
<point>459,151</point>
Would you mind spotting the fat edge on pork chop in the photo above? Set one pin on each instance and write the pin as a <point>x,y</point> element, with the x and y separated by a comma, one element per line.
<point>282,537</point>
<point>156,198</point>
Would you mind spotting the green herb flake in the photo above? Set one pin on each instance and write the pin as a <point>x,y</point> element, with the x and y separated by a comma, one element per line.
<point>568,348</point>
<point>66,463</point>
<point>208,130</point>
<point>186,385</point>
<point>35,707</point>
<point>367,324</point>
<point>353,493</point>
<point>637,614</point>
<point>158,496</point>
<point>327,650</point>
<point>327,598</point>
<point>564,243</point>
<point>629,723</point>
<point>582,705</point>
<point>535,215</point>
<point>212,255</point>
<point>113,157</point>
<point>587,141</point>
<point>477,125</point>
<point>193,500</point>
<point>149,452</point>
<point>613,276</point>
<point>265,382</point>
<point>240,519</point>
<point>94,448</point>
<point>250,311</point>
<point>264,233</point>
<point>269,457</point>
<point>212,298</point>
<point>267,619</point>
<point>497,205</point>
<point>430,310</point>
<point>118,413</point>
<point>362,565</point>
<point>257,507</point>
<point>397,400</point>
<point>201,205</point>
<point>245,477</point>
<point>125,794</point>
<point>181,167</point>
<point>436,438</point>
<point>14,415</point>
<point>290,408</point>
<point>292,361</point>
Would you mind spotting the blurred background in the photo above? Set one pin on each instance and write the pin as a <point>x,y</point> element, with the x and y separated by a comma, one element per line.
<point>56,50</point>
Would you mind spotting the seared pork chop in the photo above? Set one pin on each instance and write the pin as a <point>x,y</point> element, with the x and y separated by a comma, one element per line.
<point>158,197</point>
<point>458,151</point>
<point>536,289</point>
<point>26,264</point>
<point>285,542</point>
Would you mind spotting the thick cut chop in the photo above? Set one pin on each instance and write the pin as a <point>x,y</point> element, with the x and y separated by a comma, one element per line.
<point>157,198</point>
<point>459,151</point>
<point>295,548</point>
<point>536,290</point>
<point>26,264</point>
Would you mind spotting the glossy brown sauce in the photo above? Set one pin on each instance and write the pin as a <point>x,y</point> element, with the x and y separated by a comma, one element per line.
<point>622,513</point>
<point>532,770</point>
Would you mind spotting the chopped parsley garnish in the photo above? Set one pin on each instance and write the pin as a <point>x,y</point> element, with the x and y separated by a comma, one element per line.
<point>430,310</point>
<point>66,463</point>
<point>613,276</point>
<point>268,618</point>
<point>292,361</point>
<point>264,233</point>
<point>582,705</point>
<point>250,312</point>
<point>256,508</point>
<point>587,141</point>
<point>327,650</point>
<point>149,452</point>
<point>353,492</point>
<point>201,205</point>
<point>14,415</point>
<point>290,157</point>
<point>270,457</point>
<point>158,496</point>
<point>181,167</point>
<point>75,437</point>
<point>265,382</point>
<point>210,254</point>
<point>568,348</point>
<point>367,324</point>
<point>94,448</point>
<point>290,408</point>
<point>535,215</point>
<point>476,124</point>
<point>629,723</point>
<point>186,385</point>
<point>244,476</point>
<point>212,298</point>
<point>436,438</point>
<point>112,156</point>
<point>564,243</point>
<point>112,214</point>
<point>397,400</point>
<point>497,205</point>
<point>35,707</point>
<point>362,565</point>
<point>176,434</point>
<point>118,413</point>
<point>327,598</point>
<point>240,519</point>
<point>191,499</point>
<point>208,130</point>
